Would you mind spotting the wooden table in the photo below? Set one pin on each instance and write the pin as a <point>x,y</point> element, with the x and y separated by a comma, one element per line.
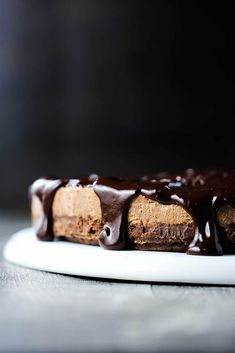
<point>44,312</point>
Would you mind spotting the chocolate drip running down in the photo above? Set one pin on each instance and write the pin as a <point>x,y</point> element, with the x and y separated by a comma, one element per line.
<point>200,194</point>
<point>45,189</point>
<point>115,196</point>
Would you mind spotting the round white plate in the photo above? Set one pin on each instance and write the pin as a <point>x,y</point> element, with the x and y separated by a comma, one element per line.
<point>24,249</point>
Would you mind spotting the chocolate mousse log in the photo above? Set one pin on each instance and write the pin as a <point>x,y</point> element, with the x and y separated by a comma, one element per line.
<point>74,213</point>
<point>91,212</point>
<point>155,226</point>
<point>151,225</point>
<point>77,216</point>
<point>226,228</point>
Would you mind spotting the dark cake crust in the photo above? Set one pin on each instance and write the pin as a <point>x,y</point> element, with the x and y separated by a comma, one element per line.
<point>162,237</point>
<point>78,229</point>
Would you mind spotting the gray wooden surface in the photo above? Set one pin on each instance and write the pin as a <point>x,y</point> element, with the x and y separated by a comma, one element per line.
<point>43,312</point>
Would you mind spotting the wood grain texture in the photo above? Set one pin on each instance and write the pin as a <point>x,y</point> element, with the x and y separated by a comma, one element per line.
<point>44,312</point>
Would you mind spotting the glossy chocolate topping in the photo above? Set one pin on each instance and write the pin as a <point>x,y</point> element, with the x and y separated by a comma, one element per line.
<point>45,189</point>
<point>201,194</point>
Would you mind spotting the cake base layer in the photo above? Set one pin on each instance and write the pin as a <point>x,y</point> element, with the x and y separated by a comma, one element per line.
<point>161,237</point>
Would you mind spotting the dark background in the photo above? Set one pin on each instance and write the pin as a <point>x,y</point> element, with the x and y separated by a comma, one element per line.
<point>113,87</point>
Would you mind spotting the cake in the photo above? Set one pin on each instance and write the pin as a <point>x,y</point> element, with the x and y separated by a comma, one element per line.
<point>192,212</point>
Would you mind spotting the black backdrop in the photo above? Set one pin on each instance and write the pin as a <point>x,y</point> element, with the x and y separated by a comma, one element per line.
<point>113,87</point>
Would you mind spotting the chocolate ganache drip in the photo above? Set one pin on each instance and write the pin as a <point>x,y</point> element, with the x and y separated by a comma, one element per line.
<point>201,194</point>
<point>45,189</point>
<point>115,196</point>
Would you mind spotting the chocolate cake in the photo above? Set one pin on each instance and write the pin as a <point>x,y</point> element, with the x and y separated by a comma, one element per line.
<point>192,212</point>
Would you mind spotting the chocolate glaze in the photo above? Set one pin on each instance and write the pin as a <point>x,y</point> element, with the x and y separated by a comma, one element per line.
<point>201,194</point>
<point>45,189</point>
<point>115,196</point>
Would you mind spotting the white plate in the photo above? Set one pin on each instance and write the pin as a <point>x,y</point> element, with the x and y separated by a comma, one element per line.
<point>24,249</point>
